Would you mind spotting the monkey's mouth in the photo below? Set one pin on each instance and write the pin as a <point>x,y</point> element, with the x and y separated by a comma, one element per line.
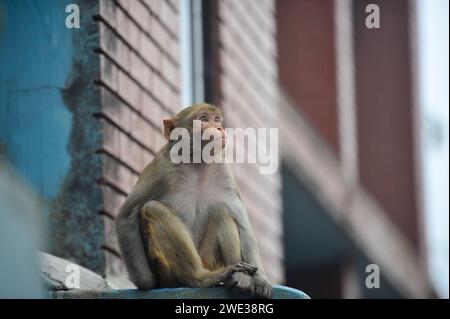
<point>220,138</point>
<point>220,141</point>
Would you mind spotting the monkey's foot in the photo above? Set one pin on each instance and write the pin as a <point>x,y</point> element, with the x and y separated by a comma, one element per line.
<point>261,287</point>
<point>256,286</point>
<point>239,281</point>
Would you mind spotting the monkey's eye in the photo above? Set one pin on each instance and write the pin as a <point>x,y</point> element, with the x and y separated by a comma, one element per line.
<point>203,118</point>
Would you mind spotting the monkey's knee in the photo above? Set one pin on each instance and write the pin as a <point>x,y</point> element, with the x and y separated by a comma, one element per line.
<point>151,213</point>
<point>153,209</point>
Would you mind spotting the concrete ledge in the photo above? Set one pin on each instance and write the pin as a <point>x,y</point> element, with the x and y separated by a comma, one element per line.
<point>54,272</point>
<point>279,292</point>
<point>92,286</point>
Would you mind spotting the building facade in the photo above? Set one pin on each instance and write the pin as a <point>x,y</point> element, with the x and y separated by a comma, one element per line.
<point>347,193</point>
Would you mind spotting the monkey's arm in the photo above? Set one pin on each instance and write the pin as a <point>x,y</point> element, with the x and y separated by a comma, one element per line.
<point>249,248</point>
<point>260,285</point>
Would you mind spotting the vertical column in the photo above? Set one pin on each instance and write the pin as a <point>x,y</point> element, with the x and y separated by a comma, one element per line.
<point>345,82</point>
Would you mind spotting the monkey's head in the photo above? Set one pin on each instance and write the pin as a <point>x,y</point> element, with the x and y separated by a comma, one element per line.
<point>210,118</point>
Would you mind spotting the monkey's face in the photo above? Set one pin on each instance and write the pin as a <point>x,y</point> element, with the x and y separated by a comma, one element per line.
<point>211,125</point>
<point>201,119</point>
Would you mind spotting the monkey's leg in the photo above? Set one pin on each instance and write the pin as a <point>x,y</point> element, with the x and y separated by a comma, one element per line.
<point>220,245</point>
<point>170,247</point>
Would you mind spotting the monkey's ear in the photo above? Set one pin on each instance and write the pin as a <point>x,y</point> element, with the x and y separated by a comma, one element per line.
<point>168,126</point>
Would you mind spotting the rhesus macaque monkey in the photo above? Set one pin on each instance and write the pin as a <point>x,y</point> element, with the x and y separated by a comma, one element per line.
<point>184,225</point>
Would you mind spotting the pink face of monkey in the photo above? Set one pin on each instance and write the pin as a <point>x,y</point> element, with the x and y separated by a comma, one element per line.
<point>212,122</point>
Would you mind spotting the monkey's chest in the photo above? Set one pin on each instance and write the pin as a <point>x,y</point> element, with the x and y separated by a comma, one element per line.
<point>192,201</point>
<point>191,205</point>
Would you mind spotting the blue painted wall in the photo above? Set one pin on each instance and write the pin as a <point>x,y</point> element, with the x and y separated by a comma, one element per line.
<point>36,53</point>
<point>47,129</point>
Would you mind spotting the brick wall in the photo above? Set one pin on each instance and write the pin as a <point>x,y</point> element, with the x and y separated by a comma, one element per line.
<point>248,95</point>
<point>139,85</point>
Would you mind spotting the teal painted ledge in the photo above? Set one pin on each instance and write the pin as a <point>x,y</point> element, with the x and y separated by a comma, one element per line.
<point>279,292</point>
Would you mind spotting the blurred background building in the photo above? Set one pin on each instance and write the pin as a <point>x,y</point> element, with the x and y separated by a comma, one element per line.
<point>81,115</point>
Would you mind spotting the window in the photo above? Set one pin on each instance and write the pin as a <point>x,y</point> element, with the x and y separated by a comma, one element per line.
<point>192,62</point>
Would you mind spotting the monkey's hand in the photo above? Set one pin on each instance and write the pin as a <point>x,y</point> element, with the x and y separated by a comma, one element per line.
<point>241,267</point>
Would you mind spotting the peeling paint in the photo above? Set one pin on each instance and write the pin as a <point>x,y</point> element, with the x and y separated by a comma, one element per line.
<point>76,227</point>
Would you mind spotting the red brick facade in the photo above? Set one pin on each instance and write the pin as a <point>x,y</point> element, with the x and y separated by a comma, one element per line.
<point>307,66</point>
<point>385,126</point>
<point>140,84</point>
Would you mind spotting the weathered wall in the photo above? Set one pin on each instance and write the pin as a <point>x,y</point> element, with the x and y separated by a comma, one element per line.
<point>48,98</point>
<point>248,95</point>
<point>75,227</point>
<point>34,120</point>
<point>139,85</point>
